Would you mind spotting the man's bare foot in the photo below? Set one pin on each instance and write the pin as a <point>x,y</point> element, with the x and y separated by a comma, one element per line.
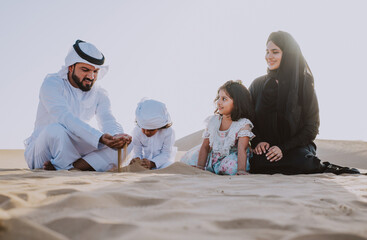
<point>82,165</point>
<point>48,166</point>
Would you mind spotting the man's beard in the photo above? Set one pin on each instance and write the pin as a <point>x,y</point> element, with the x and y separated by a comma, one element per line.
<point>80,83</point>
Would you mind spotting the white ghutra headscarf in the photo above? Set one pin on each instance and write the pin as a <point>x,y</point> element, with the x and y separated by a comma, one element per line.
<point>151,114</point>
<point>83,52</point>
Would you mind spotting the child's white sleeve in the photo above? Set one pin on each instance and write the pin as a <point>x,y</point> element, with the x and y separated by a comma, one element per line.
<point>137,145</point>
<point>166,154</point>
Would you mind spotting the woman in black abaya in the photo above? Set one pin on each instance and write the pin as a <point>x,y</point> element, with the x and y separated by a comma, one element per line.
<point>287,113</point>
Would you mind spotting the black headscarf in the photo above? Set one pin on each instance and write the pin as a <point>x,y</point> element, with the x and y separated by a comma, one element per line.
<point>291,76</point>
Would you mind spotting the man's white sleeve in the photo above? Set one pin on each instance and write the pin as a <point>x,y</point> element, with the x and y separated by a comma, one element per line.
<point>106,121</point>
<point>51,96</point>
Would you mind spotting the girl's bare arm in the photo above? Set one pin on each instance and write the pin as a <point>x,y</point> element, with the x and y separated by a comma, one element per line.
<point>243,144</point>
<point>203,153</point>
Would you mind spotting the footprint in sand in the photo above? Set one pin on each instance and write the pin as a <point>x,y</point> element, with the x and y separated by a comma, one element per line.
<point>86,200</point>
<point>36,177</point>
<point>329,236</point>
<point>7,203</point>
<point>8,169</point>
<point>4,200</point>
<point>84,228</point>
<point>22,228</point>
<point>60,192</point>
<point>147,181</point>
<point>360,204</point>
<point>329,200</point>
<point>249,223</point>
<point>23,196</point>
<point>136,201</point>
<point>76,183</point>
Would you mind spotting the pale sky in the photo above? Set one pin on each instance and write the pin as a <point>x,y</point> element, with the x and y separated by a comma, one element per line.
<point>181,52</point>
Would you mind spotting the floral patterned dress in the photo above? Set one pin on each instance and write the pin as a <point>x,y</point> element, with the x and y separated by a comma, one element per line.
<point>222,159</point>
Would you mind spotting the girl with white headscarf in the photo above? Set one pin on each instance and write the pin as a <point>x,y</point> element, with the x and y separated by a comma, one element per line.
<point>153,137</point>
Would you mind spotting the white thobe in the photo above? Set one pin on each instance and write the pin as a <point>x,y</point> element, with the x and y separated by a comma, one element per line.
<point>157,148</point>
<point>62,134</point>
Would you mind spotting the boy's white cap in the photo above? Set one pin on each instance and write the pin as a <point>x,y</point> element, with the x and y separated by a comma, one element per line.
<point>151,114</point>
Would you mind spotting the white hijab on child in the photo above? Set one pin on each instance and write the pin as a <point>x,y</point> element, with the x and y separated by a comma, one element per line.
<point>83,52</point>
<point>151,114</point>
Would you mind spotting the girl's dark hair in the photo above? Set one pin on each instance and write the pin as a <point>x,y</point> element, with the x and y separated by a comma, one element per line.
<point>242,102</point>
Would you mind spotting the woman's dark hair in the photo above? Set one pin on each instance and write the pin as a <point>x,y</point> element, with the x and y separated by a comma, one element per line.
<point>242,102</point>
<point>292,58</point>
<point>292,72</point>
<point>296,83</point>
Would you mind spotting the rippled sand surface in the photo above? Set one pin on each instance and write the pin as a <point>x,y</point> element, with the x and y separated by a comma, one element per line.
<point>181,202</point>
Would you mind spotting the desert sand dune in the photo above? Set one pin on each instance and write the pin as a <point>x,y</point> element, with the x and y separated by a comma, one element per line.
<point>182,202</point>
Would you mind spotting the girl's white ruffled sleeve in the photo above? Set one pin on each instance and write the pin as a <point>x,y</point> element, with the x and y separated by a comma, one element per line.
<point>246,129</point>
<point>206,133</point>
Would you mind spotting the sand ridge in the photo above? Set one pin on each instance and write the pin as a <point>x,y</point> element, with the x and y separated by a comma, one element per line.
<point>182,202</point>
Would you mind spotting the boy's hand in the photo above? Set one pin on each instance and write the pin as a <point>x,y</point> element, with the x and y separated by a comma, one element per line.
<point>147,163</point>
<point>134,160</point>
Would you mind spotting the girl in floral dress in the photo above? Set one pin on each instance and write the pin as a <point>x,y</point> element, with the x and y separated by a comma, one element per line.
<point>225,148</point>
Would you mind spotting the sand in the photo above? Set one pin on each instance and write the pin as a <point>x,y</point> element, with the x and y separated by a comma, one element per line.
<point>181,202</point>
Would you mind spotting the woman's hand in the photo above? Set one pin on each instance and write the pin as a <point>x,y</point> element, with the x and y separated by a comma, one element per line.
<point>261,148</point>
<point>274,154</point>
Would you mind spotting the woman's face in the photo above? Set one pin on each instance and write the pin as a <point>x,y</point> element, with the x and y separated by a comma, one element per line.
<point>273,56</point>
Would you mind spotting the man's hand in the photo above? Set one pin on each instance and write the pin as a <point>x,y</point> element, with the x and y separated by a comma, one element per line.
<point>117,141</point>
<point>108,140</point>
<point>125,138</point>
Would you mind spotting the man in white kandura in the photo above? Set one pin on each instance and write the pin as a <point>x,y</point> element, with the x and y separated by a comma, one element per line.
<point>68,100</point>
